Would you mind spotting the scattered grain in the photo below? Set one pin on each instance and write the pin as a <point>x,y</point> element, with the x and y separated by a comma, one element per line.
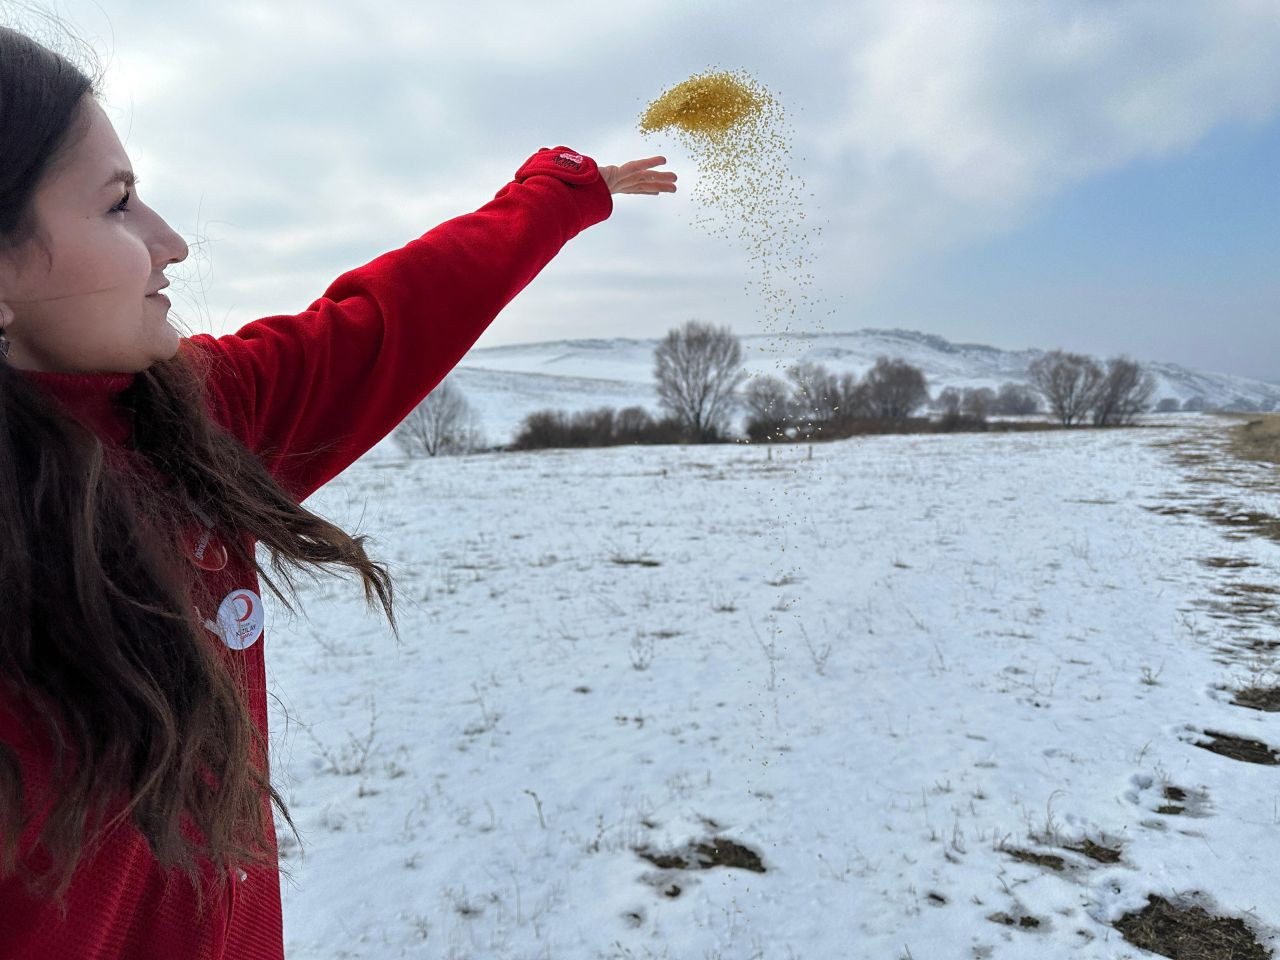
<point>736,132</point>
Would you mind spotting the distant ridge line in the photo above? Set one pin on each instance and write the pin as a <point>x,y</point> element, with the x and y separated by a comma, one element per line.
<point>945,363</point>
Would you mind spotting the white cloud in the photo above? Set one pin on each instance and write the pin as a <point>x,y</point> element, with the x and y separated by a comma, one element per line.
<point>962,117</point>
<point>282,129</point>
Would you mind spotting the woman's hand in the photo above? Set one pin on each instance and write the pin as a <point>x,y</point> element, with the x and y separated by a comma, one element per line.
<point>636,177</point>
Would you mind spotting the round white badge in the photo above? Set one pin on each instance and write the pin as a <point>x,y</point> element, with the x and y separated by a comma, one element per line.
<point>240,617</point>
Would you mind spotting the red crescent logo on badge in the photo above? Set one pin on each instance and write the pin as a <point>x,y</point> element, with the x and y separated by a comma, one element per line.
<point>240,618</point>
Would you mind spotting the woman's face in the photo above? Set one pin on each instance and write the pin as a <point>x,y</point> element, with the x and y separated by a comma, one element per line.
<point>89,309</point>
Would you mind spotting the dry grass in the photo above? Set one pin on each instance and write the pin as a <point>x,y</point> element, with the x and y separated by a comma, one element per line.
<point>1259,698</point>
<point>1258,438</point>
<point>1039,859</point>
<point>1189,933</point>
<point>1240,748</point>
<point>1095,851</point>
<point>702,855</point>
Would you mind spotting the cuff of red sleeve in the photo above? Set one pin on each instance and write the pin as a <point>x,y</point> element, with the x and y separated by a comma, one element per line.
<point>561,163</point>
<point>575,169</point>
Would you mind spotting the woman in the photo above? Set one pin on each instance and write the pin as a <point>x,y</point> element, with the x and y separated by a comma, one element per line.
<point>138,469</point>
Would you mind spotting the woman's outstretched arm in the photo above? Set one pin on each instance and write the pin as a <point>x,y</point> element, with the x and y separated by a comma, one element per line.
<point>311,392</point>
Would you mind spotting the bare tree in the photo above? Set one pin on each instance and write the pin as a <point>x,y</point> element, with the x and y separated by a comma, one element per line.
<point>767,399</point>
<point>1015,399</point>
<point>816,390</point>
<point>895,389</point>
<point>541,429</point>
<point>697,368</point>
<point>853,397</point>
<point>631,423</point>
<point>443,423</point>
<point>1124,392</point>
<point>1068,382</point>
<point>948,401</point>
<point>976,402</point>
<point>769,408</point>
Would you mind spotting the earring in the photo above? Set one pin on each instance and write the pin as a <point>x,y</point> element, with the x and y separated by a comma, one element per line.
<point>4,345</point>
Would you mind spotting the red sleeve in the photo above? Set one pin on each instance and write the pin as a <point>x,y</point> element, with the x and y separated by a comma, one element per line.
<point>310,393</point>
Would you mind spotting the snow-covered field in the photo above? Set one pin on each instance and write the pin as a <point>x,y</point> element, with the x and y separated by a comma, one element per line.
<point>893,672</point>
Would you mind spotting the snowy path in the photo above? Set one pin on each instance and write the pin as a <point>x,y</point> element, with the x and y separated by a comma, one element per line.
<point>880,670</point>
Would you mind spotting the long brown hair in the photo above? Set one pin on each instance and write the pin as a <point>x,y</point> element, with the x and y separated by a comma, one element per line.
<point>99,639</point>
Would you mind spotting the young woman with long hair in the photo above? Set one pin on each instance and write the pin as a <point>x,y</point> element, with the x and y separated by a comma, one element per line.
<point>138,471</point>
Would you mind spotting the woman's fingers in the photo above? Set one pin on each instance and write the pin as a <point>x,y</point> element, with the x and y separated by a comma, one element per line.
<point>637,176</point>
<point>662,180</point>
<point>636,166</point>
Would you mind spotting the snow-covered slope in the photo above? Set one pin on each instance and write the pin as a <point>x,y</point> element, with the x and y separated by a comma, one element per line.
<point>505,383</point>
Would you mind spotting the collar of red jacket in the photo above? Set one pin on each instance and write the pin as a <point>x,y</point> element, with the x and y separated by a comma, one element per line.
<point>90,397</point>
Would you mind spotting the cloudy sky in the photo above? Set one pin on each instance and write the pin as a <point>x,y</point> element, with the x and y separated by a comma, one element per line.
<point>1097,176</point>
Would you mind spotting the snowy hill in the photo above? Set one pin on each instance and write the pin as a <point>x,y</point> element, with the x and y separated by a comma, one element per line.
<point>505,383</point>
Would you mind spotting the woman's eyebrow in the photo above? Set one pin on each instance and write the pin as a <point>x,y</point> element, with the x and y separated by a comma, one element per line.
<point>125,176</point>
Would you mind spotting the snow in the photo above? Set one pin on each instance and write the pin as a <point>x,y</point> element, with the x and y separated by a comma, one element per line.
<point>873,668</point>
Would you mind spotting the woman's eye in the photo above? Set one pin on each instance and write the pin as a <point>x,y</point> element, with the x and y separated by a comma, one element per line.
<point>122,206</point>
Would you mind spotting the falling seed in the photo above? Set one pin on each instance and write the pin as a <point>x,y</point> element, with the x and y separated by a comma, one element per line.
<point>736,132</point>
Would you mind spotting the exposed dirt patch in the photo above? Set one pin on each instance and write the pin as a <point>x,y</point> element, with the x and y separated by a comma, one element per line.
<point>1242,522</point>
<point>1248,521</point>
<point>1250,589</point>
<point>1039,859</point>
<point>1025,920</point>
<point>1227,563</point>
<point>1168,511</point>
<point>664,861</point>
<point>1245,599</point>
<point>1181,801</point>
<point>1189,933</point>
<point>1240,748</point>
<point>1250,606</point>
<point>1234,646</point>
<point>703,855</point>
<point>1258,698</point>
<point>1094,851</point>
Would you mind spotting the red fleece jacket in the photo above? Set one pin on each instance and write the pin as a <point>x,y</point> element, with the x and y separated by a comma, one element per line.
<point>308,394</point>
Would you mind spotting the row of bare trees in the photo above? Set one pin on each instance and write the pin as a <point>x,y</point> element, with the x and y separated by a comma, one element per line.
<point>699,378</point>
<point>813,400</point>
<point>1080,390</point>
<point>601,427</point>
<point>700,384</point>
<point>978,403</point>
<point>698,372</point>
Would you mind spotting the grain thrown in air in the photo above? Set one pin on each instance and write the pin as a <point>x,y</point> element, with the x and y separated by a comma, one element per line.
<point>735,130</point>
